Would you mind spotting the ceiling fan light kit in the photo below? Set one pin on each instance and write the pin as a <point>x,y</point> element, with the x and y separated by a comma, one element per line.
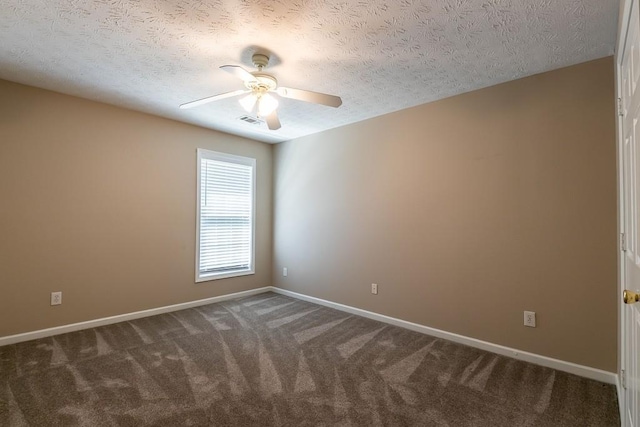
<point>258,85</point>
<point>267,104</point>
<point>248,102</point>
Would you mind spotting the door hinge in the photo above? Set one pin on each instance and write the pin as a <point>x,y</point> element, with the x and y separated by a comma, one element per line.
<point>623,242</point>
<point>620,109</point>
<point>623,378</point>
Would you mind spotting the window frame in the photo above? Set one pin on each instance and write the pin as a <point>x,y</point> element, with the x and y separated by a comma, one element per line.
<point>203,153</point>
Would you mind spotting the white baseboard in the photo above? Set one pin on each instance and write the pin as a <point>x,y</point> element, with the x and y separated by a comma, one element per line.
<point>583,371</point>
<point>42,333</point>
<point>572,368</point>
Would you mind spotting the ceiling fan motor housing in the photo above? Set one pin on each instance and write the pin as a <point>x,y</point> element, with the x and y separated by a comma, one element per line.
<point>263,82</point>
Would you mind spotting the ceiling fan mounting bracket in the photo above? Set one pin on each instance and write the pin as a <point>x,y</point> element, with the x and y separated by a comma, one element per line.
<point>260,61</point>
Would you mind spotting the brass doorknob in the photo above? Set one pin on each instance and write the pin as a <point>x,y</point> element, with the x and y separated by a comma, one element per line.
<point>630,297</point>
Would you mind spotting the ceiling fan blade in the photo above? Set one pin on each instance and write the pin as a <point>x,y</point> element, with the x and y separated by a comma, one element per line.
<point>309,96</point>
<point>272,121</point>
<point>239,72</point>
<point>212,98</point>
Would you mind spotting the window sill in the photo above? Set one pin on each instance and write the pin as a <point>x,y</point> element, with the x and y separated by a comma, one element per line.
<point>226,275</point>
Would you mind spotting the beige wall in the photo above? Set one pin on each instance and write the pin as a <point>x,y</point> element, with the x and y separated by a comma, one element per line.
<point>466,212</point>
<point>99,202</point>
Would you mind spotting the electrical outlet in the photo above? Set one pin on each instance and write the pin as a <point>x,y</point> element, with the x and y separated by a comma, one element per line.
<point>374,289</point>
<point>285,272</point>
<point>530,319</point>
<point>56,298</point>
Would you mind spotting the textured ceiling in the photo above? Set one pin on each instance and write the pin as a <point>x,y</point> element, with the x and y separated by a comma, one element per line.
<point>378,55</point>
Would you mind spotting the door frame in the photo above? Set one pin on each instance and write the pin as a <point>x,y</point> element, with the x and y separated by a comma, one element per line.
<point>623,26</point>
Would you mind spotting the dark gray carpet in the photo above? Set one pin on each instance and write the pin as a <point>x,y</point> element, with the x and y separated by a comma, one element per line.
<point>270,360</point>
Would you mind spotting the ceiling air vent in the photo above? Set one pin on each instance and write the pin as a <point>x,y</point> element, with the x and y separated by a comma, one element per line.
<point>251,120</point>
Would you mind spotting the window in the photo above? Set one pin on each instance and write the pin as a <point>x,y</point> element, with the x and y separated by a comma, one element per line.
<point>226,210</point>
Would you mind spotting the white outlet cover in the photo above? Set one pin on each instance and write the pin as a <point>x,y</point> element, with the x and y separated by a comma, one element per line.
<point>285,271</point>
<point>530,319</point>
<point>56,298</point>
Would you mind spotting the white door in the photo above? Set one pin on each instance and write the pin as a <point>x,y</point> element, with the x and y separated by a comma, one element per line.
<point>629,131</point>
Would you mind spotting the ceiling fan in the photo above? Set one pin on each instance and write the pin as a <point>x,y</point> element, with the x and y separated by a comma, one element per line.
<point>258,87</point>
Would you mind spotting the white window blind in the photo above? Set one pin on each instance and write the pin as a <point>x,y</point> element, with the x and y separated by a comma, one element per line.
<point>226,201</point>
